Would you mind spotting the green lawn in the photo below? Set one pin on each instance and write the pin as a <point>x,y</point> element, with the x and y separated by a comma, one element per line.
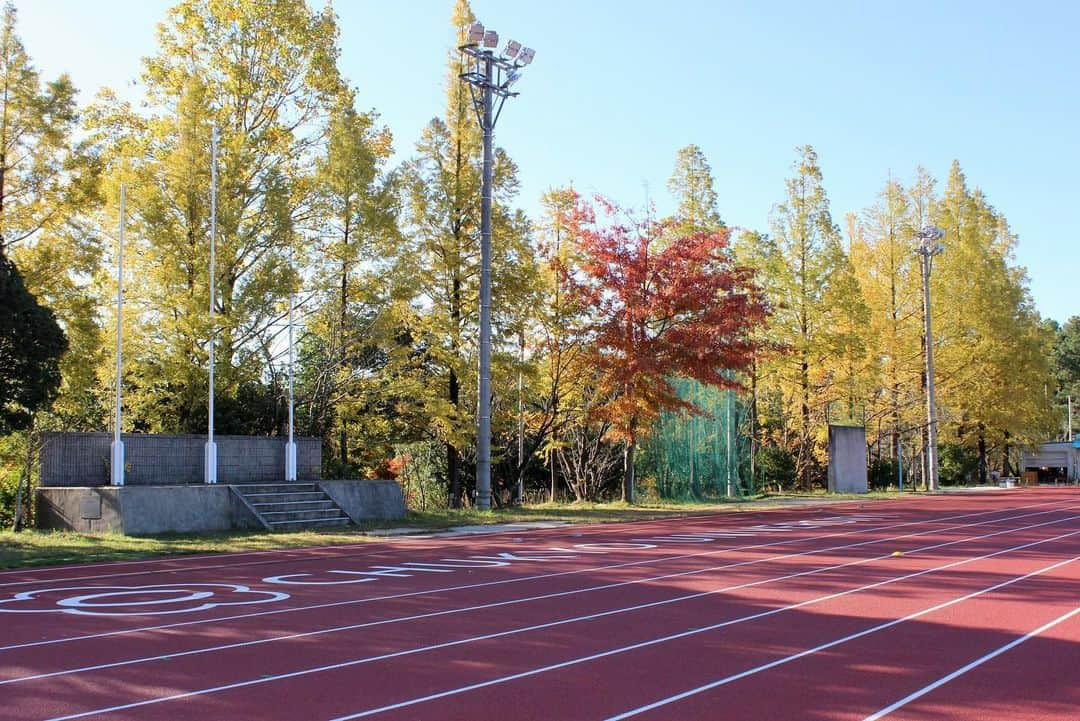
<point>42,548</point>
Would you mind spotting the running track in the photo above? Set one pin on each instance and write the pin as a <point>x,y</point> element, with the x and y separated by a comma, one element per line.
<point>801,614</point>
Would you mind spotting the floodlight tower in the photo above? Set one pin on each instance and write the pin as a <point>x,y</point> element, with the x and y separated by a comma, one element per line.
<point>490,76</point>
<point>929,246</point>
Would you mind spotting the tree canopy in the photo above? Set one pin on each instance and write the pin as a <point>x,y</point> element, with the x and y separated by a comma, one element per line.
<point>605,318</point>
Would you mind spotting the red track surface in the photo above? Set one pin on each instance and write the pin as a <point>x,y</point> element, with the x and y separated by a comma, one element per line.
<point>801,614</point>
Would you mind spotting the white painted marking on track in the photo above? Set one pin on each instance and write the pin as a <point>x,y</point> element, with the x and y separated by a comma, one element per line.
<point>485,584</point>
<point>382,546</point>
<point>837,642</point>
<point>435,614</point>
<point>104,599</point>
<point>571,662</point>
<point>758,669</point>
<point>973,665</point>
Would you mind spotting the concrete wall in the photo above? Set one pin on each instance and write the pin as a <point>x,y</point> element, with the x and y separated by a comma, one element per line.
<point>82,459</point>
<point>87,510</point>
<point>847,459</point>
<point>1062,454</point>
<point>136,510</point>
<point>365,500</point>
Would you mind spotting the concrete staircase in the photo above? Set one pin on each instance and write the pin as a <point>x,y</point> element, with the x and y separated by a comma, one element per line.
<point>291,506</point>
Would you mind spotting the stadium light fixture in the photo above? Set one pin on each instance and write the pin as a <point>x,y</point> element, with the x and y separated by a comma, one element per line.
<point>489,77</point>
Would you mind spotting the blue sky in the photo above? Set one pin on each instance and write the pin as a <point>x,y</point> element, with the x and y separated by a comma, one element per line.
<point>619,85</point>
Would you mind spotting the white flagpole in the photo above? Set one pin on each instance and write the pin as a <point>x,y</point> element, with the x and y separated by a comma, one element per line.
<point>117,474</point>
<point>290,447</point>
<point>210,470</point>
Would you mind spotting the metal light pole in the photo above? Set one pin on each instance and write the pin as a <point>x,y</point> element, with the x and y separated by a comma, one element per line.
<point>210,470</point>
<point>729,428</point>
<point>491,77</point>
<point>1069,432</point>
<point>117,470</point>
<point>900,465</point>
<point>290,447</point>
<point>929,246</point>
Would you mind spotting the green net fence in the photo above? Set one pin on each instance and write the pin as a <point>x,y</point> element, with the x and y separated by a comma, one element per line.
<point>701,457</point>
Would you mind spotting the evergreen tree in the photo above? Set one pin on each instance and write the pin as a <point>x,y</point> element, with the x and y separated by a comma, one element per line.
<point>31,343</point>
<point>1066,368</point>
<point>691,184</point>
<point>817,311</point>
<point>886,266</point>
<point>991,353</point>
<point>347,398</point>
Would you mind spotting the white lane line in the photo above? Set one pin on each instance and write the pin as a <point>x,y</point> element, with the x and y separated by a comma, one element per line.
<point>562,594</point>
<point>653,642</point>
<point>537,627</point>
<point>538,576</point>
<point>330,551</point>
<point>447,589</point>
<point>304,553</point>
<point>974,664</point>
<point>833,644</point>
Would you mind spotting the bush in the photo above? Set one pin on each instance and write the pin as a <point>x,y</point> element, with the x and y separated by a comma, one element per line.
<point>957,464</point>
<point>883,473</point>
<point>12,461</point>
<point>775,465</point>
<point>420,472</point>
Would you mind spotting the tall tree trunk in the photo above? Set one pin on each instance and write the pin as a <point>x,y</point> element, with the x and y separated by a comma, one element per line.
<point>552,461</point>
<point>628,471</point>
<point>453,455</point>
<point>519,487</point>
<point>982,455</point>
<point>22,499</point>
<point>753,425</point>
<point>804,441</point>
<point>1006,461</point>
<point>343,319</point>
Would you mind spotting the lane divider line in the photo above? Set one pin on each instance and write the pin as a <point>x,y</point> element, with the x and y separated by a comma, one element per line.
<point>973,665</point>
<point>536,627</point>
<point>541,576</point>
<point>585,529</point>
<point>836,642</point>
<point>560,594</point>
<point>323,552</point>
<point>734,677</point>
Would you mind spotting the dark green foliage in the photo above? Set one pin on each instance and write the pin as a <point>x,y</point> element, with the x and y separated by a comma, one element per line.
<point>775,467</point>
<point>31,343</point>
<point>958,464</point>
<point>883,473</point>
<point>1065,362</point>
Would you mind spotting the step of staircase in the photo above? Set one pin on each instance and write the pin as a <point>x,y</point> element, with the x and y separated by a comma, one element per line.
<point>292,506</point>
<point>285,497</point>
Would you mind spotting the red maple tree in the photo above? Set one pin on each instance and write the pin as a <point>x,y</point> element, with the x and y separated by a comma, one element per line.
<point>661,305</point>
